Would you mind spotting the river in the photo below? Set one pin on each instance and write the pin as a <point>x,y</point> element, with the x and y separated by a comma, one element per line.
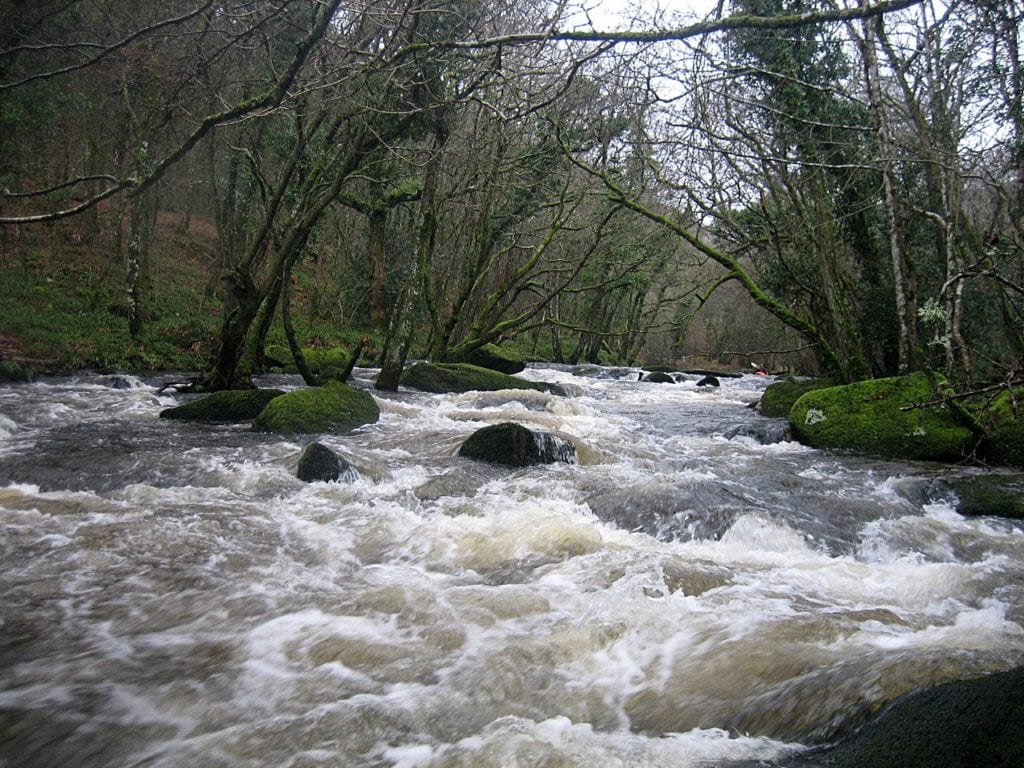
<point>172,596</point>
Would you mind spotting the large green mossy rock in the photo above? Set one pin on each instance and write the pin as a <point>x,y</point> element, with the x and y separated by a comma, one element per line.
<point>462,377</point>
<point>334,407</point>
<point>320,361</point>
<point>497,359</point>
<point>232,405</point>
<point>1004,425</point>
<point>869,417</point>
<point>778,398</point>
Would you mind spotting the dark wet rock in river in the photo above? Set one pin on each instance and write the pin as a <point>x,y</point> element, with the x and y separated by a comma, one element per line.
<point>463,377</point>
<point>318,463</point>
<point>709,381</point>
<point>964,724</point>
<point>764,432</point>
<point>496,358</point>
<point>882,417</point>
<point>514,445</point>
<point>668,512</point>
<point>778,397</point>
<point>996,494</point>
<point>124,382</point>
<point>659,377</point>
<point>231,405</point>
<point>333,407</point>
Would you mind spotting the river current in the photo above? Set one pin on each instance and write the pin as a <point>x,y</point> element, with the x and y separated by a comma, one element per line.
<point>684,595</point>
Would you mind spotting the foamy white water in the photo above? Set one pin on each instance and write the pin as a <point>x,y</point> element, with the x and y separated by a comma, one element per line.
<point>172,595</point>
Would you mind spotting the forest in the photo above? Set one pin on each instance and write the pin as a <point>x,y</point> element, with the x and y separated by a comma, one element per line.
<point>826,187</point>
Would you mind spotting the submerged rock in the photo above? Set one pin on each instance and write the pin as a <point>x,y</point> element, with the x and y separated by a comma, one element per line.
<point>709,381</point>
<point>334,407</point>
<point>231,405</point>
<point>496,358</point>
<point>882,417</point>
<point>318,463</point>
<point>463,377</point>
<point>516,446</point>
<point>764,432</point>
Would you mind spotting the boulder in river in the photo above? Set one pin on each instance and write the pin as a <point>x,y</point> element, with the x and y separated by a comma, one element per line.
<point>963,724</point>
<point>1003,421</point>
<point>514,445</point>
<point>709,381</point>
<point>463,377</point>
<point>318,463</point>
<point>497,358</point>
<point>881,417</point>
<point>778,397</point>
<point>333,407</point>
<point>992,493</point>
<point>230,405</point>
<point>659,377</point>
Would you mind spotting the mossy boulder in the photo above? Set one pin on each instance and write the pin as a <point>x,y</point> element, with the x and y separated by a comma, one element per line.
<point>997,494</point>
<point>778,397</point>
<point>334,407</point>
<point>232,405</point>
<point>462,377</point>
<point>875,417</point>
<point>497,359</point>
<point>514,445</point>
<point>1002,418</point>
<point>320,361</point>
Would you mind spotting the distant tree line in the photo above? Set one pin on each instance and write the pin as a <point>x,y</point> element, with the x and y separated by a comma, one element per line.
<point>461,173</point>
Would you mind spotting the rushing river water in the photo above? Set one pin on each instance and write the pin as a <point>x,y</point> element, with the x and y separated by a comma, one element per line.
<point>170,594</point>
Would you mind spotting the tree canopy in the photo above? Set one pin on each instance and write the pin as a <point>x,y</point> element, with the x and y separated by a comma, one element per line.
<point>834,188</point>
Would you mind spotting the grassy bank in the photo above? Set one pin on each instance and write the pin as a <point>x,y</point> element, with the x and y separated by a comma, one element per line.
<point>63,304</point>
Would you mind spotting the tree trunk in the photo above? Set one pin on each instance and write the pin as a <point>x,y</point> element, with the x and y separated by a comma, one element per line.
<point>903,299</point>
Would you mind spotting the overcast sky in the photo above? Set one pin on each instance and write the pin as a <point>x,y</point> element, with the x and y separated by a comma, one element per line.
<point>617,14</point>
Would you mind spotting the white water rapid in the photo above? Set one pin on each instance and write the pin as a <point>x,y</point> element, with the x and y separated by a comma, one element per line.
<point>170,594</point>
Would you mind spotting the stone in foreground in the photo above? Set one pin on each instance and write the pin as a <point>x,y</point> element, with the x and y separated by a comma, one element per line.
<point>513,445</point>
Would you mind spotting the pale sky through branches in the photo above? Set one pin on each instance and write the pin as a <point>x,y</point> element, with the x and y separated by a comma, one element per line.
<point>626,14</point>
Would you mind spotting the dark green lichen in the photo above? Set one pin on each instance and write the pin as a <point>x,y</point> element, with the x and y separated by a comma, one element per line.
<point>334,407</point>
<point>497,358</point>
<point>231,405</point>
<point>883,417</point>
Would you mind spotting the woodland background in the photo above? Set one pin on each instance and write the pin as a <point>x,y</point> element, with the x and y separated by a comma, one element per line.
<point>817,186</point>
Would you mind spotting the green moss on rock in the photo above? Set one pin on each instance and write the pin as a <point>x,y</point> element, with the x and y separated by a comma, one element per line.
<point>334,407</point>
<point>1001,495</point>
<point>497,359</point>
<point>1004,424</point>
<point>868,417</point>
<point>462,377</point>
<point>778,398</point>
<point>231,405</point>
